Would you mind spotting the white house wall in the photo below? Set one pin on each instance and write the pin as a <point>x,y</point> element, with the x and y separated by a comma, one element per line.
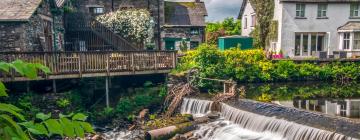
<point>247,14</point>
<point>338,15</point>
<point>278,10</point>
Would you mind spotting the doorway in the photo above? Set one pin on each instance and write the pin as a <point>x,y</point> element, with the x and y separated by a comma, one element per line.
<point>170,45</point>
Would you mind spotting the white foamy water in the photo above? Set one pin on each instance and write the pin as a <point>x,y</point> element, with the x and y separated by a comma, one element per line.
<point>288,130</point>
<point>195,107</point>
<point>122,135</point>
<point>225,130</point>
<point>245,125</point>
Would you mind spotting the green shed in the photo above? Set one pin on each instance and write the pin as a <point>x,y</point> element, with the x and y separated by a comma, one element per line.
<point>233,41</point>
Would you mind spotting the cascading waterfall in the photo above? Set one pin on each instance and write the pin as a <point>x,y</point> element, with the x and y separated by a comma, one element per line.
<point>288,130</point>
<point>195,107</point>
<point>243,125</point>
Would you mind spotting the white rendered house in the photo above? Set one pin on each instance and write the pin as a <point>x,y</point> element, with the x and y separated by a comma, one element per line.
<point>308,28</point>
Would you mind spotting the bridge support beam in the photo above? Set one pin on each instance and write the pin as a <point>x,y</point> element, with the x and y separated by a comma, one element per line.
<point>28,87</point>
<point>54,85</point>
<point>107,91</point>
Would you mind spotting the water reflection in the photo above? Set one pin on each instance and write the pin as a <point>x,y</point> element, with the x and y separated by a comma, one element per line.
<point>335,107</point>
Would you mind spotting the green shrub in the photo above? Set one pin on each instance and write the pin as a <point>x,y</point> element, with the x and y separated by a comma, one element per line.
<point>62,103</point>
<point>253,66</point>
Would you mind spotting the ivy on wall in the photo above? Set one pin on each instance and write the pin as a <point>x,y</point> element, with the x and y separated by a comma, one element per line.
<point>264,10</point>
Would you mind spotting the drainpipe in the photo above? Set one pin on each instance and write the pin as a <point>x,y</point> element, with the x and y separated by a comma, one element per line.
<point>54,33</point>
<point>112,5</point>
<point>159,30</point>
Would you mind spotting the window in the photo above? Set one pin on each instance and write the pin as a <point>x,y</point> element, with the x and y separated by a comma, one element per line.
<point>308,44</point>
<point>346,41</point>
<point>356,41</point>
<point>253,20</point>
<point>245,23</point>
<point>300,10</point>
<point>194,31</point>
<point>297,44</point>
<point>354,10</point>
<point>97,10</point>
<point>194,44</point>
<point>322,9</point>
<point>305,44</point>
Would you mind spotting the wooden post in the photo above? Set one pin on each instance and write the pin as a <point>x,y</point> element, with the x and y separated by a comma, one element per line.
<point>107,91</point>
<point>132,62</point>
<point>28,86</point>
<point>156,61</point>
<point>54,85</point>
<point>107,64</point>
<point>174,60</point>
<point>80,61</point>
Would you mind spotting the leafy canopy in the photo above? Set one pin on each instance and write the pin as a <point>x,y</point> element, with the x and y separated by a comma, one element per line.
<point>13,125</point>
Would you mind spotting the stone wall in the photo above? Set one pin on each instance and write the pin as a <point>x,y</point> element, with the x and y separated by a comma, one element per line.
<point>29,35</point>
<point>11,36</point>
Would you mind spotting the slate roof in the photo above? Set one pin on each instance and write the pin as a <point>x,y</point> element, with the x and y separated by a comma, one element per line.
<point>185,13</point>
<point>242,8</point>
<point>350,26</point>
<point>317,1</point>
<point>17,10</point>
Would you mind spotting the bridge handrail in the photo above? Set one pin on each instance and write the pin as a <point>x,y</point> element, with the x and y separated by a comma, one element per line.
<point>63,63</point>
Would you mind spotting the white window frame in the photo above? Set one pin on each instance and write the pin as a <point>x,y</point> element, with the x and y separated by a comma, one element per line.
<point>97,10</point>
<point>245,22</point>
<point>352,12</point>
<point>322,8</point>
<point>309,34</point>
<point>300,13</point>
<point>253,20</point>
<point>353,39</point>
<point>344,40</point>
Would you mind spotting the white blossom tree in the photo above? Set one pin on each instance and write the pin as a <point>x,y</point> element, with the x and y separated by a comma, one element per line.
<point>134,24</point>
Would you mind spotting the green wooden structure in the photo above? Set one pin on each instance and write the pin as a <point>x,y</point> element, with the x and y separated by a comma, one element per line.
<point>228,42</point>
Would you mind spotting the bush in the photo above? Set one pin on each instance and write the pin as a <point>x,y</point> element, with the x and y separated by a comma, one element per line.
<point>253,66</point>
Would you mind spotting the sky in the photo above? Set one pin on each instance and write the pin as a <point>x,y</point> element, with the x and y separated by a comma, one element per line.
<point>218,10</point>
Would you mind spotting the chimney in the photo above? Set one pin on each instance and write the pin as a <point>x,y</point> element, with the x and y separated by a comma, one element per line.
<point>197,1</point>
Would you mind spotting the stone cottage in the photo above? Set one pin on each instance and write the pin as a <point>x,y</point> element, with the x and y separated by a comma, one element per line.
<point>184,24</point>
<point>28,25</point>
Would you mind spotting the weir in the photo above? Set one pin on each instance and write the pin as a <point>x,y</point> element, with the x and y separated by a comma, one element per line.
<point>195,106</point>
<point>239,124</point>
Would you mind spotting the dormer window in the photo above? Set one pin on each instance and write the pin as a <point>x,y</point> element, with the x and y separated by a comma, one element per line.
<point>354,10</point>
<point>300,10</point>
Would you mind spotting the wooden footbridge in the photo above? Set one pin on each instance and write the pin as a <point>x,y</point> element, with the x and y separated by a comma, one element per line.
<point>93,64</point>
<point>65,65</point>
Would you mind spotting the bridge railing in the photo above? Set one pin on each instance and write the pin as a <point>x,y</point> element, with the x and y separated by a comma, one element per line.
<point>63,63</point>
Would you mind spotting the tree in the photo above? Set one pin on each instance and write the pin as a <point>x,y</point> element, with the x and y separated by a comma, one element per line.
<point>264,10</point>
<point>229,26</point>
<point>134,24</point>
